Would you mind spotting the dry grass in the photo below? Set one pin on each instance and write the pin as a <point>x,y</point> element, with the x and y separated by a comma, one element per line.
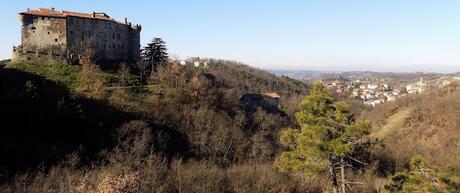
<point>392,123</point>
<point>421,125</point>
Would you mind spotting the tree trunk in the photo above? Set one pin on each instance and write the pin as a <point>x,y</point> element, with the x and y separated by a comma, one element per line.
<point>334,180</point>
<point>342,175</point>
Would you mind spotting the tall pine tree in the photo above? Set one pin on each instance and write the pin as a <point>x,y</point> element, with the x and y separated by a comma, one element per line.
<point>326,139</point>
<point>155,53</point>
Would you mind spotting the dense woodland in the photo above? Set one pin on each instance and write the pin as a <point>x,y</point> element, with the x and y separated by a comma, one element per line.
<point>182,128</point>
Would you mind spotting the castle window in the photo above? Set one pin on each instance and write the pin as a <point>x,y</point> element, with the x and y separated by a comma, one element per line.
<point>113,45</point>
<point>71,32</point>
<point>56,40</point>
<point>118,36</point>
<point>113,36</point>
<point>82,36</point>
<point>33,31</point>
<point>105,46</point>
<point>105,36</point>
<point>48,33</point>
<point>123,46</point>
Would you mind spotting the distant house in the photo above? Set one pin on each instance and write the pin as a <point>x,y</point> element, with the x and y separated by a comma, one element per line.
<point>355,93</point>
<point>391,97</point>
<point>417,88</point>
<point>269,101</point>
<point>386,86</point>
<point>273,98</point>
<point>372,86</point>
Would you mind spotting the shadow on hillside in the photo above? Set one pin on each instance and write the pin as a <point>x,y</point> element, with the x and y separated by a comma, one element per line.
<point>41,122</point>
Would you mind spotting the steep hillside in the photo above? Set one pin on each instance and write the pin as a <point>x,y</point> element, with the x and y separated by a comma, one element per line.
<point>42,120</point>
<point>52,110</point>
<point>255,80</point>
<point>392,123</point>
<point>421,125</point>
<point>247,79</point>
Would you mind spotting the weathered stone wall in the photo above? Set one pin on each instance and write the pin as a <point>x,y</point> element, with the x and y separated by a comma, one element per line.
<point>42,37</point>
<point>72,38</point>
<point>108,40</point>
<point>135,45</point>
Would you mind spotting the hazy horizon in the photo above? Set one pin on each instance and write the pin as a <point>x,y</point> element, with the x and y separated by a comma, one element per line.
<point>331,35</point>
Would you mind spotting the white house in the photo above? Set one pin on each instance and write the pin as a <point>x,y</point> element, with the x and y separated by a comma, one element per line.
<point>372,86</point>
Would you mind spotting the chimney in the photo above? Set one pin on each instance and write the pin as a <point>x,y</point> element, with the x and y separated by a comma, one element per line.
<point>126,20</point>
<point>93,15</point>
<point>52,8</point>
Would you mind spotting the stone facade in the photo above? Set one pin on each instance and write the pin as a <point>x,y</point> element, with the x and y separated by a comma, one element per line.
<point>70,36</point>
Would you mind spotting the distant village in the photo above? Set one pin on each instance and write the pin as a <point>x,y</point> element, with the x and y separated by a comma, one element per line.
<point>375,92</point>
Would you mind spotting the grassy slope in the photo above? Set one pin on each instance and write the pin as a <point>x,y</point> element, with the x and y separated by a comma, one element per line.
<point>424,125</point>
<point>392,123</point>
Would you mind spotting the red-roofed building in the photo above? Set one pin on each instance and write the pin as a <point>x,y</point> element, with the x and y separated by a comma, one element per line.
<point>70,36</point>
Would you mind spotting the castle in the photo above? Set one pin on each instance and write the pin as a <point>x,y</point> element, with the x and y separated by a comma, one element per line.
<point>69,37</point>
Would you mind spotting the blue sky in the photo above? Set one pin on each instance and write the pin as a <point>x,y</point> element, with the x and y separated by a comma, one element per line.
<point>390,35</point>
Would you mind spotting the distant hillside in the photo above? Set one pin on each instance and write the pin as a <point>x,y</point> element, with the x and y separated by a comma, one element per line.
<point>390,77</point>
<point>296,74</point>
<point>421,125</point>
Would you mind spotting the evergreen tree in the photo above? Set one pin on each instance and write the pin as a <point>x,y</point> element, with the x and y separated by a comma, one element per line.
<point>155,53</point>
<point>326,139</point>
<point>421,177</point>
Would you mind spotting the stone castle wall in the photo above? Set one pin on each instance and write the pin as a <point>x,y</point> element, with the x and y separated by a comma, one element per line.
<point>70,39</point>
<point>108,40</point>
<point>42,37</point>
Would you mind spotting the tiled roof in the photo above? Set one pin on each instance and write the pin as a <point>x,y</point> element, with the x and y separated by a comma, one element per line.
<point>56,13</point>
<point>272,95</point>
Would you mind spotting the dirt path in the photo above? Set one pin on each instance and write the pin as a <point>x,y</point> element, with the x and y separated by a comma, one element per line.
<point>395,121</point>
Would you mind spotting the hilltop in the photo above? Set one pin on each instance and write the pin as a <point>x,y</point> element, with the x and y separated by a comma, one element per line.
<point>390,77</point>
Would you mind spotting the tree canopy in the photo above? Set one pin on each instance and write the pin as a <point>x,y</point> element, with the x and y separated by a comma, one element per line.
<point>326,137</point>
<point>155,53</point>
